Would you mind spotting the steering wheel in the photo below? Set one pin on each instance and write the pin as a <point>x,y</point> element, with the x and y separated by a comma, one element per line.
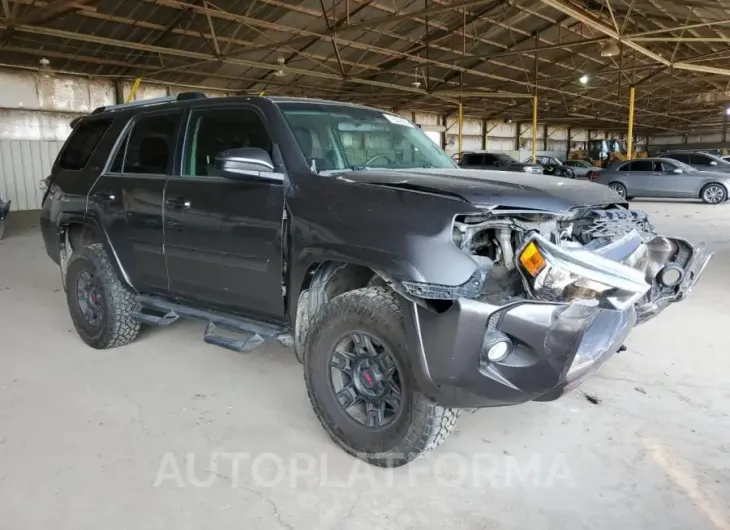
<point>376,157</point>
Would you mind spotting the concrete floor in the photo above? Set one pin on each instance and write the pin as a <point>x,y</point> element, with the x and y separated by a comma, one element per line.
<point>146,436</point>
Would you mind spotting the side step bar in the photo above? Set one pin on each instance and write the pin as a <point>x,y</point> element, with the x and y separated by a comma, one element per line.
<point>222,330</point>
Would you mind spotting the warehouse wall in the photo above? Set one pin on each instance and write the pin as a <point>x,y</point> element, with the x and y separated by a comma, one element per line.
<point>662,142</point>
<point>35,113</point>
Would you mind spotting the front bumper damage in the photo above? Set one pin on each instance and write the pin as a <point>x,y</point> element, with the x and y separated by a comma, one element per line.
<point>555,344</point>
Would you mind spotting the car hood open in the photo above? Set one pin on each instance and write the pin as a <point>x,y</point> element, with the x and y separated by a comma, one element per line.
<point>492,188</point>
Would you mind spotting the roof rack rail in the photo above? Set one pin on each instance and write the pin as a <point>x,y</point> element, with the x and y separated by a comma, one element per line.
<point>182,96</point>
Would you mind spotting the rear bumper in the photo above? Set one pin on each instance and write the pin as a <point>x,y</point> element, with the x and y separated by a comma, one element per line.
<point>556,346</point>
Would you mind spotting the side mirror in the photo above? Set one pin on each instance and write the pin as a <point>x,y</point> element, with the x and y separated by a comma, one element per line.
<point>678,171</point>
<point>713,163</point>
<point>245,163</point>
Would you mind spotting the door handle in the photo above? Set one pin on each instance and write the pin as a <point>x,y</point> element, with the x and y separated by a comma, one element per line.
<point>178,203</point>
<point>104,196</point>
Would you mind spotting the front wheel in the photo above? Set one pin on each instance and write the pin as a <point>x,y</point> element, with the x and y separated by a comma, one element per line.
<point>713,193</point>
<point>619,188</point>
<point>361,384</point>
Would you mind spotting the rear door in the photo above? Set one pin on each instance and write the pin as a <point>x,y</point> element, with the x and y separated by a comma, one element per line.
<point>223,237</point>
<point>640,178</point>
<point>128,195</point>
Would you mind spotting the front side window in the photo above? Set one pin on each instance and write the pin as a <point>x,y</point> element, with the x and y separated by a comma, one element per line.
<point>338,137</point>
<point>82,143</point>
<point>212,131</point>
<point>149,146</point>
<point>474,159</point>
<point>700,160</point>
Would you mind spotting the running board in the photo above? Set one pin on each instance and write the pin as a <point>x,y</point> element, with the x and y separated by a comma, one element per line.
<point>227,339</point>
<point>222,330</point>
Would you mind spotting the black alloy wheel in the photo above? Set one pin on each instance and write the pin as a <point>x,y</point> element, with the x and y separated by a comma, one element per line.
<point>365,380</point>
<point>89,297</point>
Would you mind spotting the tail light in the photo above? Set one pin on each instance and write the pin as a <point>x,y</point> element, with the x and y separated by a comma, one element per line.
<point>593,175</point>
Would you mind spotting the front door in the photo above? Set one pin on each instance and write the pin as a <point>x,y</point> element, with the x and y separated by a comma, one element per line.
<point>667,183</point>
<point>128,197</point>
<point>223,237</point>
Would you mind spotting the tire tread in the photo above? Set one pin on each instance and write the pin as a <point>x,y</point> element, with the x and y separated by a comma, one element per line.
<point>432,423</point>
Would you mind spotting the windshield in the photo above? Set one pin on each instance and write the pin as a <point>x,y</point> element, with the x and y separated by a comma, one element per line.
<point>720,161</point>
<point>338,137</point>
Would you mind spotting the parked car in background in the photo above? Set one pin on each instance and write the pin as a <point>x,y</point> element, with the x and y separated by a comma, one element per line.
<point>583,169</point>
<point>4,209</point>
<point>553,166</point>
<point>665,177</point>
<point>699,160</point>
<point>498,161</point>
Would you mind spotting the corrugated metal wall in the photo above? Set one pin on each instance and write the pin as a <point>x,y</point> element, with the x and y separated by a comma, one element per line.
<point>23,163</point>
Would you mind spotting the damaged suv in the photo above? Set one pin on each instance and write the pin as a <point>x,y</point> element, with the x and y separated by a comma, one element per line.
<point>408,287</point>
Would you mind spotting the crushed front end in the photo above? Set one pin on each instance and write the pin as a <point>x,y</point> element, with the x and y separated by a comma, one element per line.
<point>553,297</point>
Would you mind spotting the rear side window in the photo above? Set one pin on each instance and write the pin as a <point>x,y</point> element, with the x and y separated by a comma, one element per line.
<point>82,143</point>
<point>642,165</point>
<point>149,146</point>
<point>680,157</point>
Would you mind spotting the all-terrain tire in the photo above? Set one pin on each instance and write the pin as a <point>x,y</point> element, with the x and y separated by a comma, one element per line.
<point>422,425</point>
<point>117,325</point>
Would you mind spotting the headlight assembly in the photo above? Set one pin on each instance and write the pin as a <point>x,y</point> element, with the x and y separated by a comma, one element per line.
<point>558,274</point>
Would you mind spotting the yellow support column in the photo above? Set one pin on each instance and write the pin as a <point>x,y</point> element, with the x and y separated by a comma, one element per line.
<point>534,128</point>
<point>132,92</point>
<point>630,147</point>
<point>461,126</point>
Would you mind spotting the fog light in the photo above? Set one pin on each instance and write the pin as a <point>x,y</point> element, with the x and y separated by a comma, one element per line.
<point>670,275</point>
<point>496,346</point>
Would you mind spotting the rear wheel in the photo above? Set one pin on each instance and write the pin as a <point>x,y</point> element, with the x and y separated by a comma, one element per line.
<point>713,193</point>
<point>619,188</point>
<point>100,305</point>
<point>361,384</point>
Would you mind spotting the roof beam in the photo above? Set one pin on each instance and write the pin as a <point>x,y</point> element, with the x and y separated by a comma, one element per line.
<point>589,20</point>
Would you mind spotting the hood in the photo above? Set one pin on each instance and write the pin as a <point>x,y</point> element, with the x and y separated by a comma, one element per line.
<point>493,188</point>
<point>723,170</point>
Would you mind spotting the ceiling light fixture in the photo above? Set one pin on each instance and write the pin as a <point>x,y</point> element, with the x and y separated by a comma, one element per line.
<point>610,50</point>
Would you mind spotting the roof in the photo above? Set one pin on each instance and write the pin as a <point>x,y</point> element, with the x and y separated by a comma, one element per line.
<point>427,54</point>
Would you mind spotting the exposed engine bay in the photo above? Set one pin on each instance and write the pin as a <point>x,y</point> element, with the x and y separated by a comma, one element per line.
<point>609,257</point>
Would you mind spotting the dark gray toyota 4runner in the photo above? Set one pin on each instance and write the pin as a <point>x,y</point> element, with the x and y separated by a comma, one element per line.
<point>409,288</point>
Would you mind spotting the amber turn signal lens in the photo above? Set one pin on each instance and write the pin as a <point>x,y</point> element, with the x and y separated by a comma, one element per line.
<point>531,259</point>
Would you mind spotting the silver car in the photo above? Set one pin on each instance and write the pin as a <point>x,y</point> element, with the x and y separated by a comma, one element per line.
<point>582,168</point>
<point>665,177</point>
